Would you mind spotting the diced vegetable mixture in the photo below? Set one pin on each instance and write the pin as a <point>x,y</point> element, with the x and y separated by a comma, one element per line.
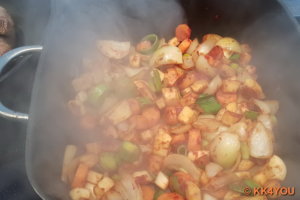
<point>177,119</point>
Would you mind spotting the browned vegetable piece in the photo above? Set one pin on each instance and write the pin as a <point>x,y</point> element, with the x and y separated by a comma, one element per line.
<point>188,80</point>
<point>183,32</point>
<point>188,99</point>
<point>172,75</point>
<point>148,192</point>
<point>6,22</point>
<point>152,114</point>
<point>230,118</point>
<point>170,196</point>
<point>155,163</point>
<point>184,45</point>
<point>80,176</point>
<point>134,106</point>
<point>4,45</point>
<point>139,122</point>
<point>225,98</point>
<point>144,89</point>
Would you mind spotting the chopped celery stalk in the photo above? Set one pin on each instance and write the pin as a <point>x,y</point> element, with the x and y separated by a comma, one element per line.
<point>95,95</point>
<point>250,183</point>
<point>251,115</point>
<point>245,151</point>
<point>234,66</point>
<point>235,56</point>
<point>181,149</point>
<point>144,101</point>
<point>108,161</point>
<point>175,186</point>
<point>129,152</point>
<point>157,81</point>
<point>153,39</point>
<point>208,103</point>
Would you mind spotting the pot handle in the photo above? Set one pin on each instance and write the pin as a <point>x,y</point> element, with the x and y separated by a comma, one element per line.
<point>4,60</point>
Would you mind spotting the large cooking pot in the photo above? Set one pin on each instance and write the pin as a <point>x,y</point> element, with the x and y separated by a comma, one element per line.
<point>265,25</point>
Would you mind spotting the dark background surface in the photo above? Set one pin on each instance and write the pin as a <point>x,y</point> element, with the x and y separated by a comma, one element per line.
<point>15,92</point>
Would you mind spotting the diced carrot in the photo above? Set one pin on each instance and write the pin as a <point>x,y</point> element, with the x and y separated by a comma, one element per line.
<point>80,176</point>
<point>148,192</point>
<point>183,32</point>
<point>215,56</point>
<point>194,140</point>
<point>178,139</point>
<point>184,45</point>
<point>170,196</point>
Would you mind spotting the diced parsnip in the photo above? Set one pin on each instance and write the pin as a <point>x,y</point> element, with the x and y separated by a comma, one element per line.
<point>184,45</point>
<point>186,91</point>
<point>173,42</point>
<point>212,169</point>
<point>230,118</point>
<point>187,115</point>
<point>207,124</point>
<point>188,80</point>
<point>243,175</point>
<point>188,62</point>
<point>245,165</point>
<point>135,60</point>
<point>93,148</point>
<point>89,159</point>
<point>193,46</point>
<point>189,99</point>
<point>275,168</point>
<point>230,86</point>
<point>162,143</point>
<point>120,113</point>
<point>172,75</point>
<point>80,176</point>
<point>195,155</point>
<point>171,95</point>
<point>225,98</point>
<point>142,177</point>
<point>252,89</point>
<point>162,181</point>
<point>260,178</point>
<point>232,107</point>
<point>69,155</point>
<point>200,85</point>
<point>160,103</point>
<point>91,187</point>
<point>193,192</point>
<point>105,184</point>
<point>148,192</point>
<point>94,177</point>
<point>194,140</point>
<point>79,193</point>
<point>155,163</point>
<point>207,196</point>
<point>146,135</point>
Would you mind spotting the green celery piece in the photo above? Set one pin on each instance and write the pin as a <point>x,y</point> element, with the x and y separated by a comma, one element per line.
<point>251,115</point>
<point>209,104</point>
<point>157,81</point>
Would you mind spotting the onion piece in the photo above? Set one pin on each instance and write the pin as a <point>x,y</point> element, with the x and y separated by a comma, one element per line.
<point>229,45</point>
<point>178,161</point>
<point>166,55</point>
<point>275,168</point>
<point>273,105</point>
<point>212,169</point>
<point>203,66</point>
<point>113,49</point>
<point>214,85</point>
<point>225,149</point>
<point>128,188</point>
<point>208,197</point>
<point>69,155</point>
<point>266,120</point>
<point>260,142</point>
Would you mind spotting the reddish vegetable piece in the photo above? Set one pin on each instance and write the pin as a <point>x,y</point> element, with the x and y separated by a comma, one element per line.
<point>214,57</point>
<point>194,140</point>
<point>80,176</point>
<point>170,196</point>
<point>183,32</point>
<point>148,192</point>
<point>184,45</point>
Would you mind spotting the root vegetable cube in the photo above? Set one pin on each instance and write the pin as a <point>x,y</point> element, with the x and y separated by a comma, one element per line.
<point>94,177</point>
<point>105,184</point>
<point>171,95</point>
<point>230,86</point>
<point>162,181</point>
<point>79,193</point>
<point>187,115</point>
<point>162,143</point>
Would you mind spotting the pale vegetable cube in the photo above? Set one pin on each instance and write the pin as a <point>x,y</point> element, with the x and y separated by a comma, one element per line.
<point>200,85</point>
<point>243,175</point>
<point>195,155</point>
<point>162,143</point>
<point>162,181</point>
<point>260,178</point>
<point>232,107</point>
<point>275,168</point>
<point>146,135</point>
<point>79,193</point>
<point>171,95</point>
<point>173,42</point>
<point>230,86</point>
<point>187,115</point>
<point>245,165</point>
<point>142,176</point>
<point>160,103</point>
<point>94,177</point>
<point>105,184</point>
<point>230,118</point>
<point>90,187</point>
<point>120,113</point>
<point>212,169</point>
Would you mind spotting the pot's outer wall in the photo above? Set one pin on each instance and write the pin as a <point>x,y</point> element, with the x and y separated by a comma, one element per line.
<point>263,24</point>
